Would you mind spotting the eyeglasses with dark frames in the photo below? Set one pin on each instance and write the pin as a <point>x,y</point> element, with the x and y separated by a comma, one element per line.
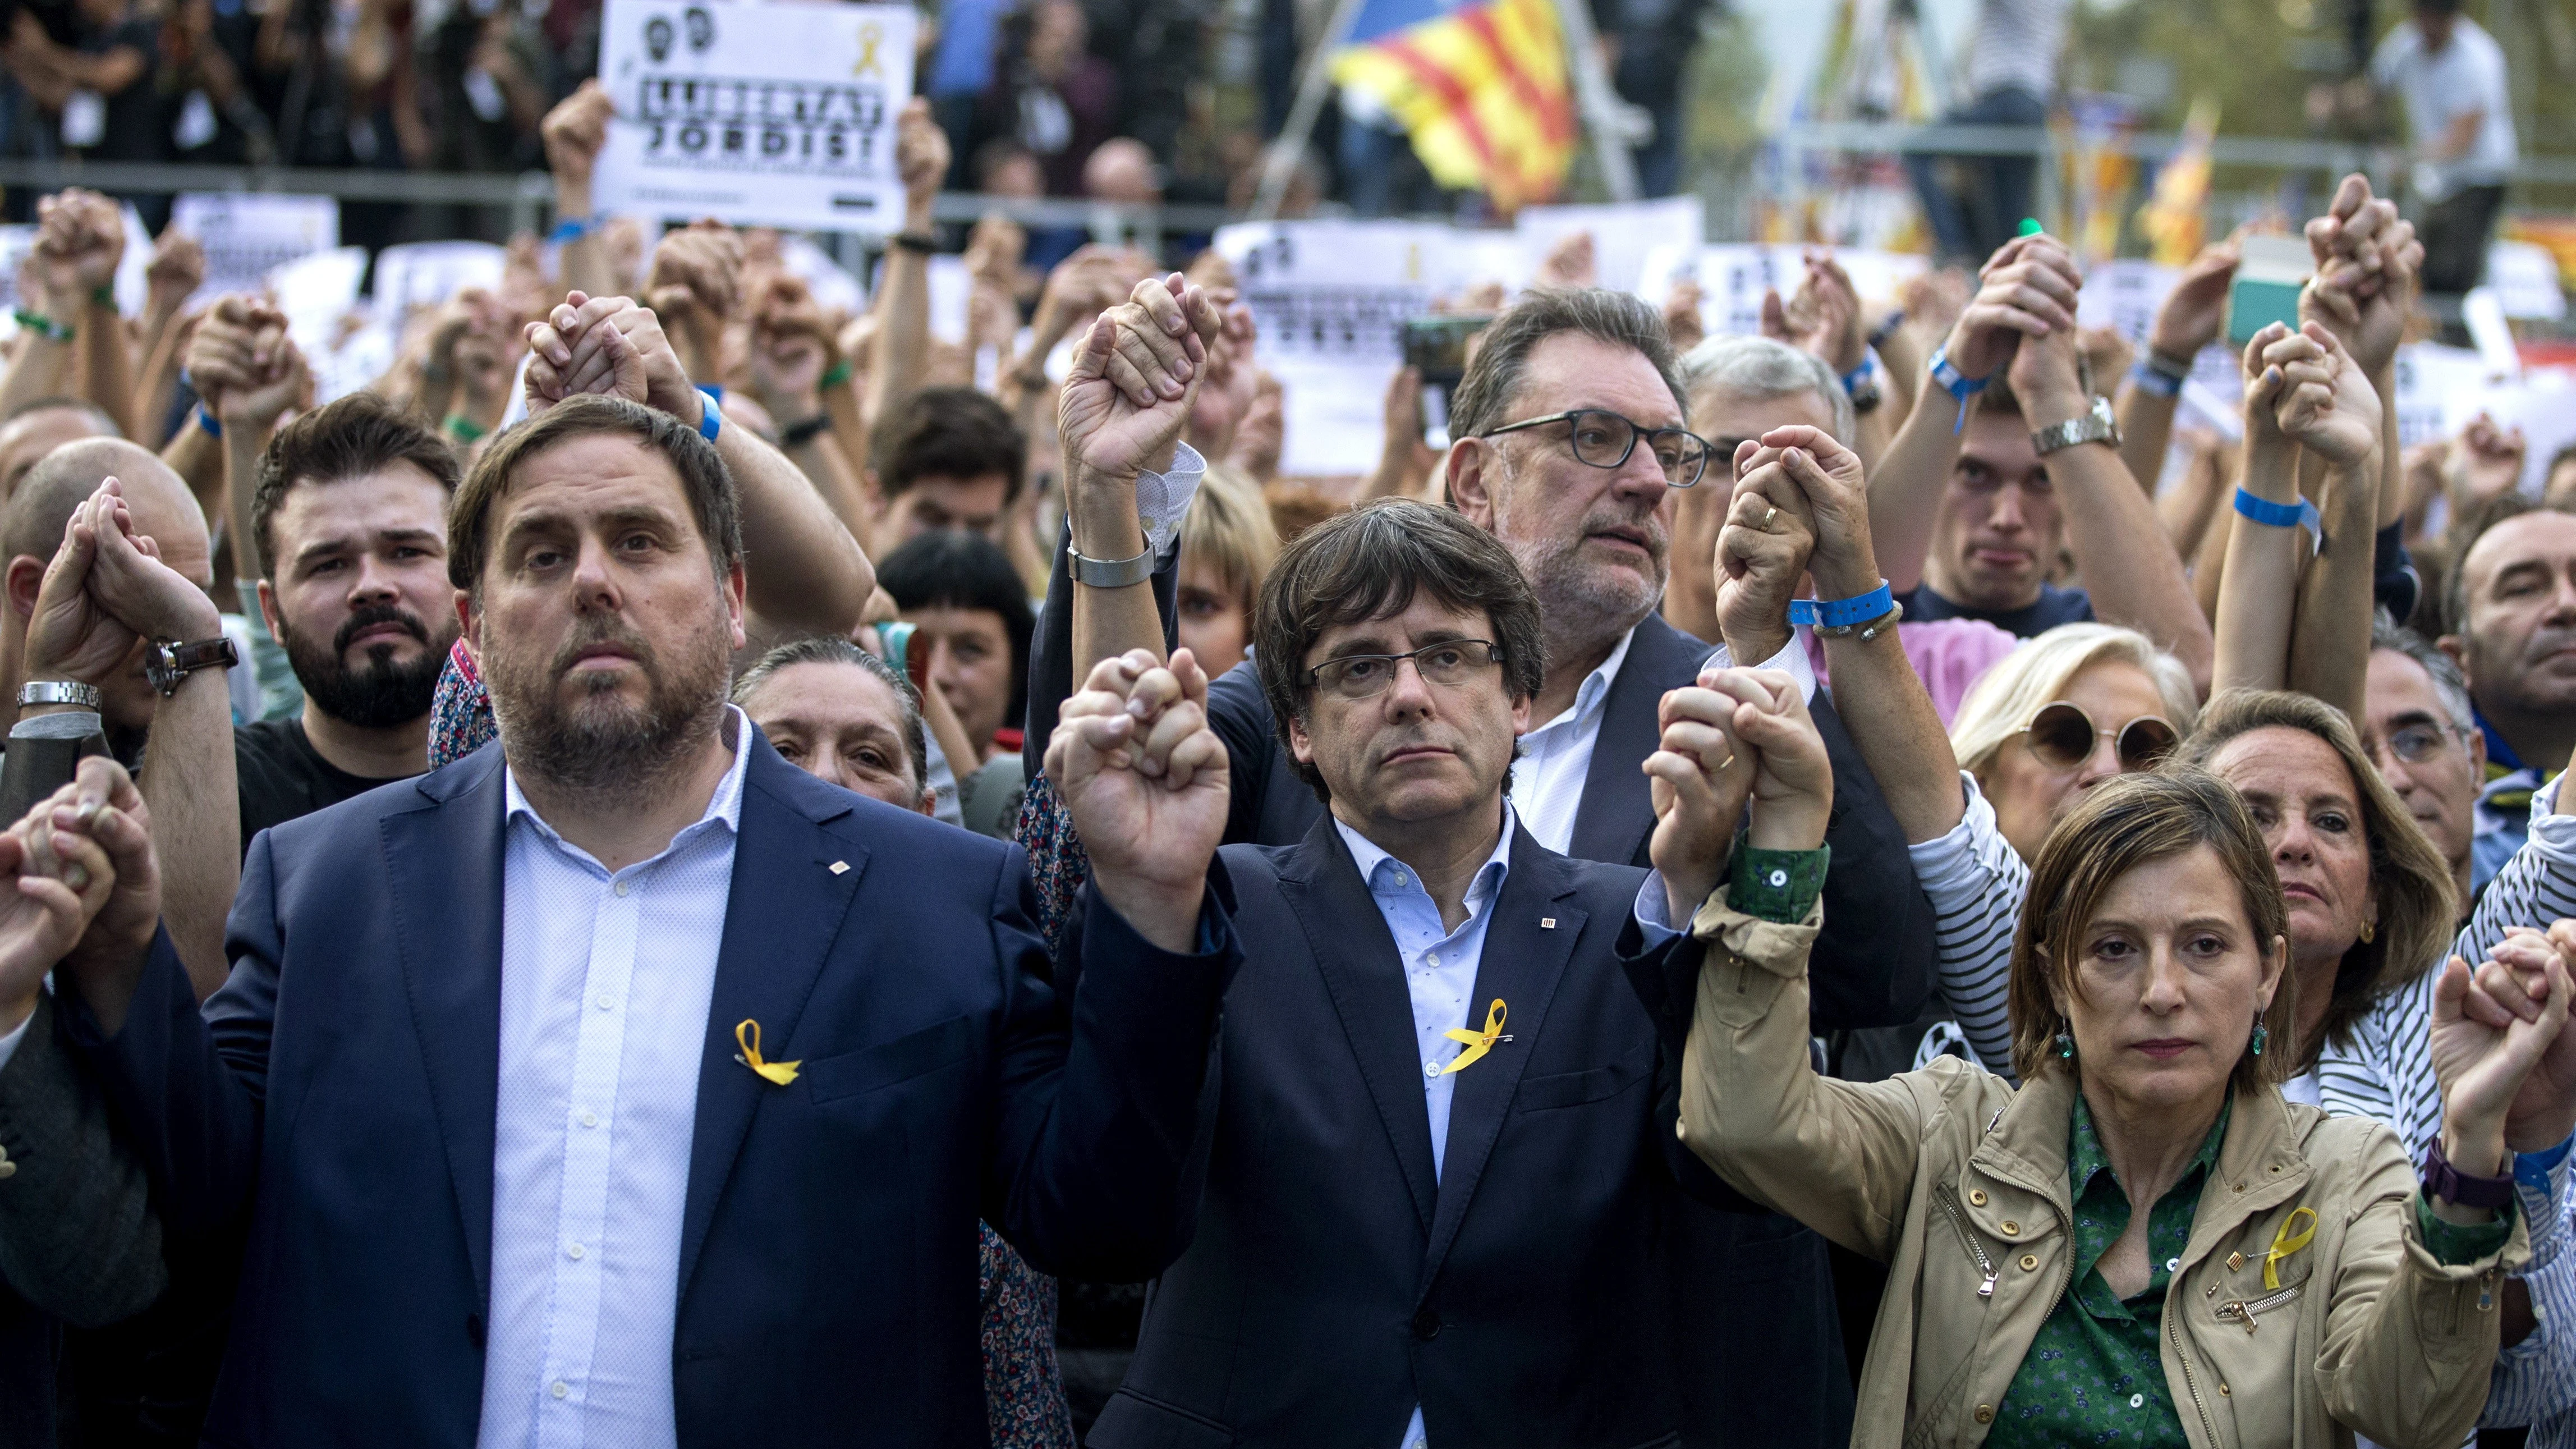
<point>1604,439</point>
<point>1365,676</point>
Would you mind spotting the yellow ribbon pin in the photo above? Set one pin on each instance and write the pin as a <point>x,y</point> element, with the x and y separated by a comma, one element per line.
<point>2285,1242</point>
<point>1478,1042</point>
<point>747,1036</point>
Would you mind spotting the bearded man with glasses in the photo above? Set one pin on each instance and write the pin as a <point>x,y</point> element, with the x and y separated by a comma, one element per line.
<point>1572,443</point>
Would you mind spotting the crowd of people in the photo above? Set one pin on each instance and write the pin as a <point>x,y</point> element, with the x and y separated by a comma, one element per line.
<point>683,866</point>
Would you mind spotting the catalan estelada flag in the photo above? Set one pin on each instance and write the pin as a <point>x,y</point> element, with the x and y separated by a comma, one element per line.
<point>1481,88</point>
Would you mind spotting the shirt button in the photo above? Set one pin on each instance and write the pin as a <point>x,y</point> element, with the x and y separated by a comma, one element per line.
<point>1433,958</point>
<point>1431,1069</point>
<point>2173,1265</point>
<point>2137,1401</point>
<point>558,1388</point>
<point>606,1002</point>
<point>574,1252</point>
<point>590,1119</point>
<point>1985,1413</point>
<point>622,887</point>
<point>1779,878</point>
<point>8,1170</point>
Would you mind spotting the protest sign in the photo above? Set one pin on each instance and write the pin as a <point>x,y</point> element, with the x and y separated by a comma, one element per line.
<point>1622,235</point>
<point>424,274</point>
<point>781,115</point>
<point>1733,278</point>
<point>248,234</point>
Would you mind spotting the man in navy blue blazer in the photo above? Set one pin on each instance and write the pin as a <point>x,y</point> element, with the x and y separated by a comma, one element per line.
<point>1440,1201</point>
<point>622,1083</point>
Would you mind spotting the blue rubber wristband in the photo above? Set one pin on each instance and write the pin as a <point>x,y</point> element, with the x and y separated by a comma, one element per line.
<point>1956,385</point>
<point>2302,514</point>
<point>570,229</point>
<point>712,389</point>
<point>1861,374</point>
<point>207,421</point>
<point>1843,613</point>
<point>2532,1169</point>
<point>710,419</point>
<point>2149,380</point>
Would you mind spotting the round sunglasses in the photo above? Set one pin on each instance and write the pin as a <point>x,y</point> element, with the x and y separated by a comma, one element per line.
<point>2062,735</point>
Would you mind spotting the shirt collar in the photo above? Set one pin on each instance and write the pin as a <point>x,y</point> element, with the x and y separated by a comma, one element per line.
<point>724,806</point>
<point>1379,868</point>
<point>1595,688</point>
<point>2085,1158</point>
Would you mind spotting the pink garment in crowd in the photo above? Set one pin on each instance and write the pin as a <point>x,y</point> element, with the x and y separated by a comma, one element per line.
<point>1948,655</point>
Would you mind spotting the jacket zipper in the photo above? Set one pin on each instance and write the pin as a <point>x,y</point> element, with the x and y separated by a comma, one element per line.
<point>1949,1201</point>
<point>2190,1380</point>
<point>2240,1308</point>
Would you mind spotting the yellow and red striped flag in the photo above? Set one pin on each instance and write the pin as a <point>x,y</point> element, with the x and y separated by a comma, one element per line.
<point>1482,89</point>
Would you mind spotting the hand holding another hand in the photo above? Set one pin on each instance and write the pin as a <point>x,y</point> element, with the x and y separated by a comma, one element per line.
<point>1147,784</point>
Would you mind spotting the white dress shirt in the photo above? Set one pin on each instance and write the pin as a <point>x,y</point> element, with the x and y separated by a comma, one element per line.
<point>605,985</point>
<point>1556,757</point>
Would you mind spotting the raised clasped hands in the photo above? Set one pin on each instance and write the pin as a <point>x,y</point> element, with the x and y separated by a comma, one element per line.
<point>58,882</point>
<point>2368,262</point>
<point>611,346</point>
<point>1135,378</point>
<point>2309,391</point>
<point>2026,289</point>
<point>2507,1082</point>
<point>1147,784</point>
<point>1734,735</point>
<point>105,588</point>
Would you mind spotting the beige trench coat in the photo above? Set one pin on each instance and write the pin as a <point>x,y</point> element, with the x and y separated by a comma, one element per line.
<point>1959,1184</point>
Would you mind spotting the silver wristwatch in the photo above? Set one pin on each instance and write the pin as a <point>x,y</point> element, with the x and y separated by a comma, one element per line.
<point>1111,573</point>
<point>2095,426</point>
<point>57,691</point>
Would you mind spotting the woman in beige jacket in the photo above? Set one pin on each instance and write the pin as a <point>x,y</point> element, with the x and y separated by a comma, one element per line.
<point>2283,1279</point>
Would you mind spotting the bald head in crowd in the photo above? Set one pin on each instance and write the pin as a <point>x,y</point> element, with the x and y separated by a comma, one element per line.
<point>32,527</point>
<point>40,427</point>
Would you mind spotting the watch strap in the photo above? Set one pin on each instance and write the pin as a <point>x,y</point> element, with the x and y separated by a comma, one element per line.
<point>1110,573</point>
<point>2453,1186</point>
<point>2097,425</point>
<point>170,661</point>
<point>58,691</point>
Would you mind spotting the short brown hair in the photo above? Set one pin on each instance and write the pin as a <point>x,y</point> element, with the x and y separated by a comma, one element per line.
<point>703,477</point>
<point>947,432</point>
<point>1493,377</point>
<point>2411,879</point>
<point>1368,564</point>
<point>2123,824</point>
<point>348,438</point>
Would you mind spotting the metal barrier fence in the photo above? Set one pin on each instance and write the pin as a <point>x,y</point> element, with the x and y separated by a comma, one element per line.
<point>527,196</point>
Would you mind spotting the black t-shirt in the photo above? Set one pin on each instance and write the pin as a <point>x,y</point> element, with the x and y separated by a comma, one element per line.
<point>2054,606</point>
<point>282,776</point>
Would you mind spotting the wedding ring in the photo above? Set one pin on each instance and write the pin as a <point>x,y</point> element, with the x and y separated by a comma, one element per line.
<point>1768,514</point>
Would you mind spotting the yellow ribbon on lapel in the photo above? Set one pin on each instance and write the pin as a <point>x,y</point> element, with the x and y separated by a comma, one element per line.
<point>747,1036</point>
<point>1477,1042</point>
<point>2285,1242</point>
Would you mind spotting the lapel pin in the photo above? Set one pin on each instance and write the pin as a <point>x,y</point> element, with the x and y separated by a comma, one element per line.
<point>840,867</point>
<point>1547,923</point>
<point>747,1036</point>
<point>1477,1042</point>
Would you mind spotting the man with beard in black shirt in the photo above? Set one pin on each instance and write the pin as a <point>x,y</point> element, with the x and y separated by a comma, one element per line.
<point>350,520</point>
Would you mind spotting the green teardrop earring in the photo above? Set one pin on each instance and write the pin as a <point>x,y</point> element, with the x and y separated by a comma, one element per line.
<point>2065,1047</point>
<point>2262,1034</point>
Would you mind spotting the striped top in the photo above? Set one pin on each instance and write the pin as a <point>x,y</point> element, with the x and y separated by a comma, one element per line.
<point>1976,884</point>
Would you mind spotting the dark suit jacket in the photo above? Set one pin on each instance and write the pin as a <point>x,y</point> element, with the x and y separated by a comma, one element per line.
<point>339,1094</point>
<point>1760,1346</point>
<point>1527,1296</point>
<point>78,1242</point>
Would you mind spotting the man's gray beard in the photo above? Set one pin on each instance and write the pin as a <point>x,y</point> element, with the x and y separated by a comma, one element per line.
<point>595,752</point>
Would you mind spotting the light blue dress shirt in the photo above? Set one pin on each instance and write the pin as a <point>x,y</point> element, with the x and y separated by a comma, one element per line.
<point>1440,971</point>
<point>605,985</point>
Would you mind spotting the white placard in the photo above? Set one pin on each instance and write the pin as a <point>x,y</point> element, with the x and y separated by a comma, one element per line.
<point>1330,298</point>
<point>1733,277</point>
<point>782,115</point>
<point>424,274</point>
<point>2525,278</point>
<point>1622,235</point>
<point>2125,296</point>
<point>316,292</point>
<point>16,241</point>
<point>248,234</point>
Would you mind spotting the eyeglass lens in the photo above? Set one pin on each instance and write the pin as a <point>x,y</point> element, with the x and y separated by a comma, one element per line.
<point>2062,735</point>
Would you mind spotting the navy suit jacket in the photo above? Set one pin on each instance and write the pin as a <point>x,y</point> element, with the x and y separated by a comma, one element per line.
<point>1529,1294</point>
<point>337,1100</point>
